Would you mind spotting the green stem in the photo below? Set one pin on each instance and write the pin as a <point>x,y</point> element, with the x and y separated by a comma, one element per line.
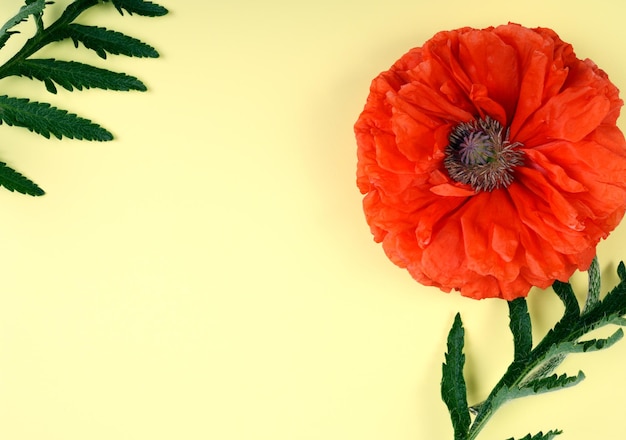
<point>515,375</point>
<point>529,367</point>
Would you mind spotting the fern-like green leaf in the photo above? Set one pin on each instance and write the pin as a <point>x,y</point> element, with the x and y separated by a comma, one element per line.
<point>46,120</point>
<point>541,436</point>
<point>554,382</point>
<point>453,389</point>
<point>33,8</point>
<point>561,349</point>
<point>619,321</point>
<point>71,74</point>
<point>14,181</point>
<point>42,118</point>
<point>527,375</point>
<point>103,41</point>
<point>534,387</point>
<point>600,344</point>
<point>547,366</point>
<point>139,7</point>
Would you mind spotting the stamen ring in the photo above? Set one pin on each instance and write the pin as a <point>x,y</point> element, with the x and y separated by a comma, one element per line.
<point>480,154</point>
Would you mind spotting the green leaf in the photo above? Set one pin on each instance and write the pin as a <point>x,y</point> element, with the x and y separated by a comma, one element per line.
<point>38,17</point>
<point>614,303</point>
<point>566,294</point>
<point>547,366</point>
<point>453,390</point>
<point>599,344</point>
<point>553,382</point>
<point>560,349</point>
<point>45,120</point>
<point>534,387</point>
<point>593,294</point>
<point>521,328</point>
<point>14,181</point>
<point>619,321</point>
<point>104,41</point>
<point>621,271</point>
<point>33,8</point>
<point>71,74</point>
<point>528,375</point>
<point>139,7</point>
<point>541,436</point>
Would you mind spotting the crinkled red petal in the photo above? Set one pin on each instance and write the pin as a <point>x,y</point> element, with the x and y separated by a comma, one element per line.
<point>568,195</point>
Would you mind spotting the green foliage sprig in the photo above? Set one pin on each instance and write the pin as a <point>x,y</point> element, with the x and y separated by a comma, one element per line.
<point>531,371</point>
<point>42,118</point>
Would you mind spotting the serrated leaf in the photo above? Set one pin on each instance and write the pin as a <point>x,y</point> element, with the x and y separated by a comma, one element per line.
<point>544,368</point>
<point>520,325</point>
<point>527,376</point>
<point>593,292</point>
<point>35,8</point>
<point>619,321</point>
<point>600,344</point>
<point>453,389</point>
<point>553,382</point>
<point>71,74</point>
<point>534,387</point>
<point>566,294</point>
<point>614,303</point>
<point>605,314</point>
<point>14,181</point>
<point>564,348</point>
<point>621,271</point>
<point>103,41</point>
<point>541,436</point>
<point>139,7</point>
<point>46,120</point>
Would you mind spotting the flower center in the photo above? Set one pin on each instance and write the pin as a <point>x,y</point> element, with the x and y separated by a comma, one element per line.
<point>479,154</point>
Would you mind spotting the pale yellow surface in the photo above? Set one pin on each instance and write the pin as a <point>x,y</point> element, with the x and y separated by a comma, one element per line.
<point>209,274</point>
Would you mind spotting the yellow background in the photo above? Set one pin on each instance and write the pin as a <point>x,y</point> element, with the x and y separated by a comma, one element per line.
<point>209,274</point>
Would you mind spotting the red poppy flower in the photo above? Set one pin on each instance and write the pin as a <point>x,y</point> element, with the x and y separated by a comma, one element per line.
<point>491,161</point>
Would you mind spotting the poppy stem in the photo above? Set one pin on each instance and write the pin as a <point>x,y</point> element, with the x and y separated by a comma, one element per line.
<point>531,371</point>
